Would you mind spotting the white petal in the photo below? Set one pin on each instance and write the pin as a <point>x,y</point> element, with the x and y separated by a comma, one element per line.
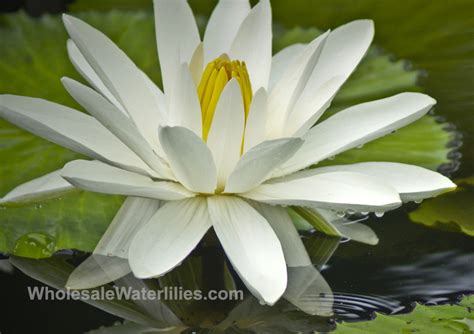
<point>117,123</point>
<point>253,44</point>
<point>256,165</point>
<point>256,120</point>
<point>309,291</point>
<point>281,61</point>
<point>170,235</point>
<point>226,132</point>
<point>177,37</point>
<point>343,51</point>
<point>119,74</point>
<point>102,178</point>
<point>356,126</point>
<point>346,228</point>
<point>288,89</point>
<point>109,261</point>
<point>412,182</point>
<point>293,248</point>
<point>251,245</point>
<point>326,93</point>
<point>44,187</point>
<point>70,128</point>
<point>222,27</point>
<point>189,158</point>
<point>96,271</point>
<point>134,213</point>
<point>84,68</point>
<point>159,97</point>
<point>337,191</point>
<point>196,64</point>
<point>184,109</point>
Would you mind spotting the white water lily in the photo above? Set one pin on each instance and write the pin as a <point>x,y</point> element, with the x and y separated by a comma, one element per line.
<point>225,146</point>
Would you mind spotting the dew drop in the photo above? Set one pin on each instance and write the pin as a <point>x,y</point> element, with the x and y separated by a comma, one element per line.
<point>364,213</point>
<point>350,212</point>
<point>38,206</point>
<point>332,157</point>
<point>35,245</point>
<point>379,214</point>
<point>360,146</point>
<point>418,201</point>
<point>261,302</point>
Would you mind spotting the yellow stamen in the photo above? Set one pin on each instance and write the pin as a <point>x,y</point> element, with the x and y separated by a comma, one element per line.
<point>214,78</point>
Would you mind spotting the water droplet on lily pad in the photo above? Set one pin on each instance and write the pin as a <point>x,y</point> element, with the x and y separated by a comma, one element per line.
<point>35,245</point>
<point>418,201</point>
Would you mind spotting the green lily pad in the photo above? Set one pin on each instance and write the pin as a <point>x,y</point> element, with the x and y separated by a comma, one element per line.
<point>32,60</point>
<point>443,319</point>
<point>451,212</point>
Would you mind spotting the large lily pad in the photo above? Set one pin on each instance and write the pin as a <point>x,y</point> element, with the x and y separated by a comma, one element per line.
<point>443,319</point>
<point>32,60</point>
<point>452,212</point>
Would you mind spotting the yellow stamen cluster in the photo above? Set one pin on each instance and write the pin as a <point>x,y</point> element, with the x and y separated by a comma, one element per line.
<point>216,75</point>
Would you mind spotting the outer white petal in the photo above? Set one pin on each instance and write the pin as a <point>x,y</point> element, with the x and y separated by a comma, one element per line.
<point>118,123</point>
<point>184,109</point>
<point>343,51</point>
<point>337,190</point>
<point>226,132</point>
<point>293,248</point>
<point>251,245</point>
<point>222,27</point>
<point>70,128</point>
<point>356,126</point>
<point>256,120</point>
<point>97,270</point>
<point>43,187</point>
<point>109,261</point>
<point>256,165</point>
<point>134,213</point>
<point>253,44</point>
<point>84,68</point>
<point>293,81</point>
<point>119,74</point>
<point>170,235</point>
<point>189,158</point>
<point>102,178</point>
<point>281,61</point>
<point>412,182</point>
<point>177,37</point>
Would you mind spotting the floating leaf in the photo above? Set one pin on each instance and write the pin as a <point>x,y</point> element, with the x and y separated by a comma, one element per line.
<point>443,319</point>
<point>453,211</point>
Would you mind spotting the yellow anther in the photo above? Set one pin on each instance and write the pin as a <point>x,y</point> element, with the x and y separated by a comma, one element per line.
<point>214,78</point>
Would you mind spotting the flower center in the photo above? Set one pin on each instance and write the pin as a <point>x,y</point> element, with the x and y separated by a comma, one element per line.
<point>216,75</point>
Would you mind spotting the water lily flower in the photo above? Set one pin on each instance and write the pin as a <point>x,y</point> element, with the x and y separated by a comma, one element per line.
<point>226,145</point>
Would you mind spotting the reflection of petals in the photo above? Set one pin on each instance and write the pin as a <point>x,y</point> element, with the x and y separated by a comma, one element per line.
<point>309,291</point>
<point>97,270</point>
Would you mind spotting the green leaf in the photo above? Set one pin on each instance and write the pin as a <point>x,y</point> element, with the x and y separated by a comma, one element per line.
<point>451,212</point>
<point>33,58</point>
<point>443,319</point>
